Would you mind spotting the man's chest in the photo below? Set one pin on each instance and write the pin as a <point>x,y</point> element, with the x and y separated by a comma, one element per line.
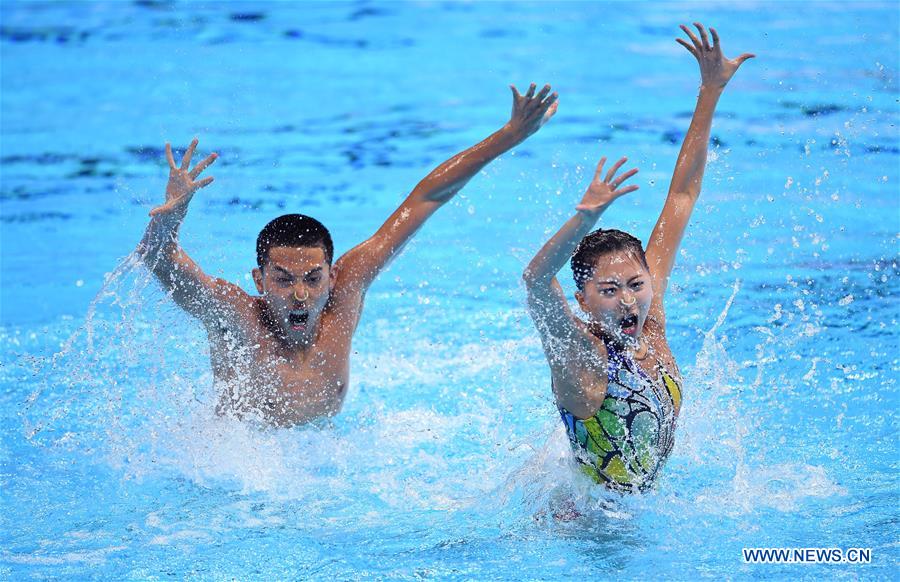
<point>266,361</point>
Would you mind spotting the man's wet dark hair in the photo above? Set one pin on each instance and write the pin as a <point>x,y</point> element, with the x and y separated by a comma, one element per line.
<point>293,230</point>
<point>599,243</point>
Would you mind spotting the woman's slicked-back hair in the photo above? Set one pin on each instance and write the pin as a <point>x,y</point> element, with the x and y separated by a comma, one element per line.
<point>599,243</point>
<point>293,230</point>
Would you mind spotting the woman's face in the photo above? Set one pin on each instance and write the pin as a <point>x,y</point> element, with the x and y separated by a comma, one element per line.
<point>618,295</point>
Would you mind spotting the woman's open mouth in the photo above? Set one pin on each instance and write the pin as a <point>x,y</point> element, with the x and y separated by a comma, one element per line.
<point>629,324</point>
<point>297,319</point>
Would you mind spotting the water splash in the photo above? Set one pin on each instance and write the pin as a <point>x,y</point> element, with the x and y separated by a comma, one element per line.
<point>110,378</point>
<point>719,437</point>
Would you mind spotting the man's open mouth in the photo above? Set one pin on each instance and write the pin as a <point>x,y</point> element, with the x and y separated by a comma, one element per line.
<point>297,319</point>
<point>629,324</point>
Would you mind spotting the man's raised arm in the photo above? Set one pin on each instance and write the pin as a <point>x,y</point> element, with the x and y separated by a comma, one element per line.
<point>356,270</point>
<point>191,288</point>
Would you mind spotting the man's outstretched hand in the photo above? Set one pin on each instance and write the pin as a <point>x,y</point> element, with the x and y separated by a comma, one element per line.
<point>182,180</point>
<point>530,112</point>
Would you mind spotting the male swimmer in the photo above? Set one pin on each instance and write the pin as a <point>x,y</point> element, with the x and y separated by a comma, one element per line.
<point>283,356</point>
<point>614,378</point>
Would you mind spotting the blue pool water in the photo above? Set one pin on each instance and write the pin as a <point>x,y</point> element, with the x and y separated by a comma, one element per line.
<point>449,452</point>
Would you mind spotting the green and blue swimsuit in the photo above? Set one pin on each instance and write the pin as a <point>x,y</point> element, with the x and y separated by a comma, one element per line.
<point>629,438</point>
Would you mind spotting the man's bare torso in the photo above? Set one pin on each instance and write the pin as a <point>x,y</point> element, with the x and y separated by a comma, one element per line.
<point>261,375</point>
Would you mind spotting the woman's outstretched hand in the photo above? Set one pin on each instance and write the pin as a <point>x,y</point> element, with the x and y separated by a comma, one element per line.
<point>604,190</point>
<point>715,69</point>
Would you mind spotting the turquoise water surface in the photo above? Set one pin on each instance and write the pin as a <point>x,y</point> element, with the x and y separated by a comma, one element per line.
<point>449,452</point>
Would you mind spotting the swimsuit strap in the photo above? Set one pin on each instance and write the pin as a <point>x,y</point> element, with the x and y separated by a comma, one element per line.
<point>617,359</point>
<point>669,382</point>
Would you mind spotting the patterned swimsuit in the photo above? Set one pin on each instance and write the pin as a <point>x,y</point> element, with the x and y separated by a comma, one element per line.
<point>629,438</point>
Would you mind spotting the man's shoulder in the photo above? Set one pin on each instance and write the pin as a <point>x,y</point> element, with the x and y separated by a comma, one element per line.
<point>225,290</point>
<point>233,309</point>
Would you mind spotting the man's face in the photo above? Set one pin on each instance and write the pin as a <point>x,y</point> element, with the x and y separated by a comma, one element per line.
<point>618,296</point>
<point>295,283</point>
